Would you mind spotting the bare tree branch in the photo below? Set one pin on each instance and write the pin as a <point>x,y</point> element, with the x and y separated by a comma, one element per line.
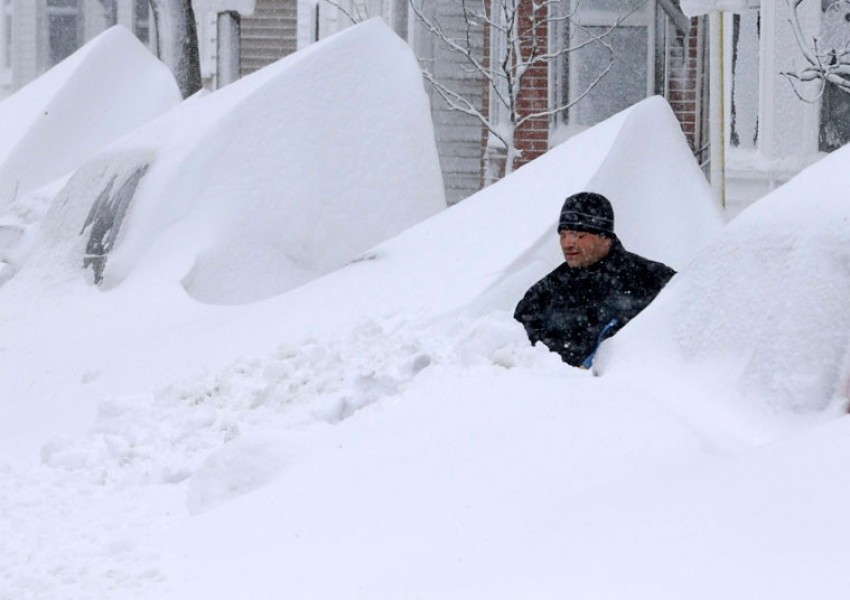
<point>519,31</point>
<point>340,8</point>
<point>829,66</point>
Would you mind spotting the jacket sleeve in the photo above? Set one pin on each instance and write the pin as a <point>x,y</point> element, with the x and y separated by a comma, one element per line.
<point>530,311</point>
<point>665,274</point>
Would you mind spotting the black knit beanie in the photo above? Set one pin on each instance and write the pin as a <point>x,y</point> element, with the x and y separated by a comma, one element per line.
<point>587,211</point>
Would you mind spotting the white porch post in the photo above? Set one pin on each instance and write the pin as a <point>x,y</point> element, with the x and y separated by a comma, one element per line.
<point>717,122</point>
<point>229,48</point>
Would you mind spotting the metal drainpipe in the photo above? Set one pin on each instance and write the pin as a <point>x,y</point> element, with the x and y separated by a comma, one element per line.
<point>229,53</point>
<point>717,123</point>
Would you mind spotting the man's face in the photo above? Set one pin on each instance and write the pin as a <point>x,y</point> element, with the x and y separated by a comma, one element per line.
<point>582,249</point>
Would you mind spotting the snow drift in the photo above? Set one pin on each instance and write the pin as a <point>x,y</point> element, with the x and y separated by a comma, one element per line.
<point>664,210</point>
<point>269,182</point>
<point>767,300</point>
<point>391,411</point>
<point>108,87</point>
<point>476,257</point>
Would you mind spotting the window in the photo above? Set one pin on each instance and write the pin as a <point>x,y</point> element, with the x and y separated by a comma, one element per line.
<point>64,24</point>
<point>744,111</point>
<point>110,12</point>
<point>603,32</point>
<point>498,51</point>
<point>399,17</point>
<point>142,20</point>
<point>835,104</point>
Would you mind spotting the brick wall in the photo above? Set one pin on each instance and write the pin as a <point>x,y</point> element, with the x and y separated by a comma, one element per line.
<point>685,87</point>
<point>681,78</point>
<point>491,167</point>
<point>458,135</point>
<point>532,137</point>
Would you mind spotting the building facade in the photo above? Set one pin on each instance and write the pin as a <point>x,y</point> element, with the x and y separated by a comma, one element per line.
<point>647,47</point>
<point>774,125</point>
<point>37,34</point>
<point>722,74</point>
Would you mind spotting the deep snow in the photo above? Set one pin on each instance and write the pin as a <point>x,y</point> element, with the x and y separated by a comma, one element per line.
<point>276,179</point>
<point>386,430</point>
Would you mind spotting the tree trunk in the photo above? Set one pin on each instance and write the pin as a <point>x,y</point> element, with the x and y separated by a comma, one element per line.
<point>177,42</point>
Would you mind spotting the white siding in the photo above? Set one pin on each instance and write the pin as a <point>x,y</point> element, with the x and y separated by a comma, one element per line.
<point>25,40</point>
<point>459,136</point>
<point>269,34</point>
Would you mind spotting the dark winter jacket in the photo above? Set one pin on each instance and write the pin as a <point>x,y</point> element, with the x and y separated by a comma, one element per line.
<point>568,309</point>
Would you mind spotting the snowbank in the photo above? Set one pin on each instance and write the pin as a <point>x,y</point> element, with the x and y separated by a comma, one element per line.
<point>477,257</point>
<point>768,523</point>
<point>390,424</point>
<point>268,183</point>
<point>664,209</point>
<point>108,87</point>
<point>767,300</point>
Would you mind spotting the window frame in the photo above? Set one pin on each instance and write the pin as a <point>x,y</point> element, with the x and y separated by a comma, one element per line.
<point>565,78</point>
<point>53,13</point>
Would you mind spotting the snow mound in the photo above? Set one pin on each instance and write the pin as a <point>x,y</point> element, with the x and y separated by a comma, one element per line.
<point>258,188</point>
<point>460,447</point>
<point>669,224</point>
<point>361,414</point>
<point>478,257</point>
<point>664,210</point>
<point>110,86</point>
<point>768,299</point>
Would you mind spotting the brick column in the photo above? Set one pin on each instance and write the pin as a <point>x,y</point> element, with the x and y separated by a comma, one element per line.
<point>683,82</point>
<point>532,137</point>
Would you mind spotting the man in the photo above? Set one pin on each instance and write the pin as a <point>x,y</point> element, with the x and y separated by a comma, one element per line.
<point>599,288</point>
